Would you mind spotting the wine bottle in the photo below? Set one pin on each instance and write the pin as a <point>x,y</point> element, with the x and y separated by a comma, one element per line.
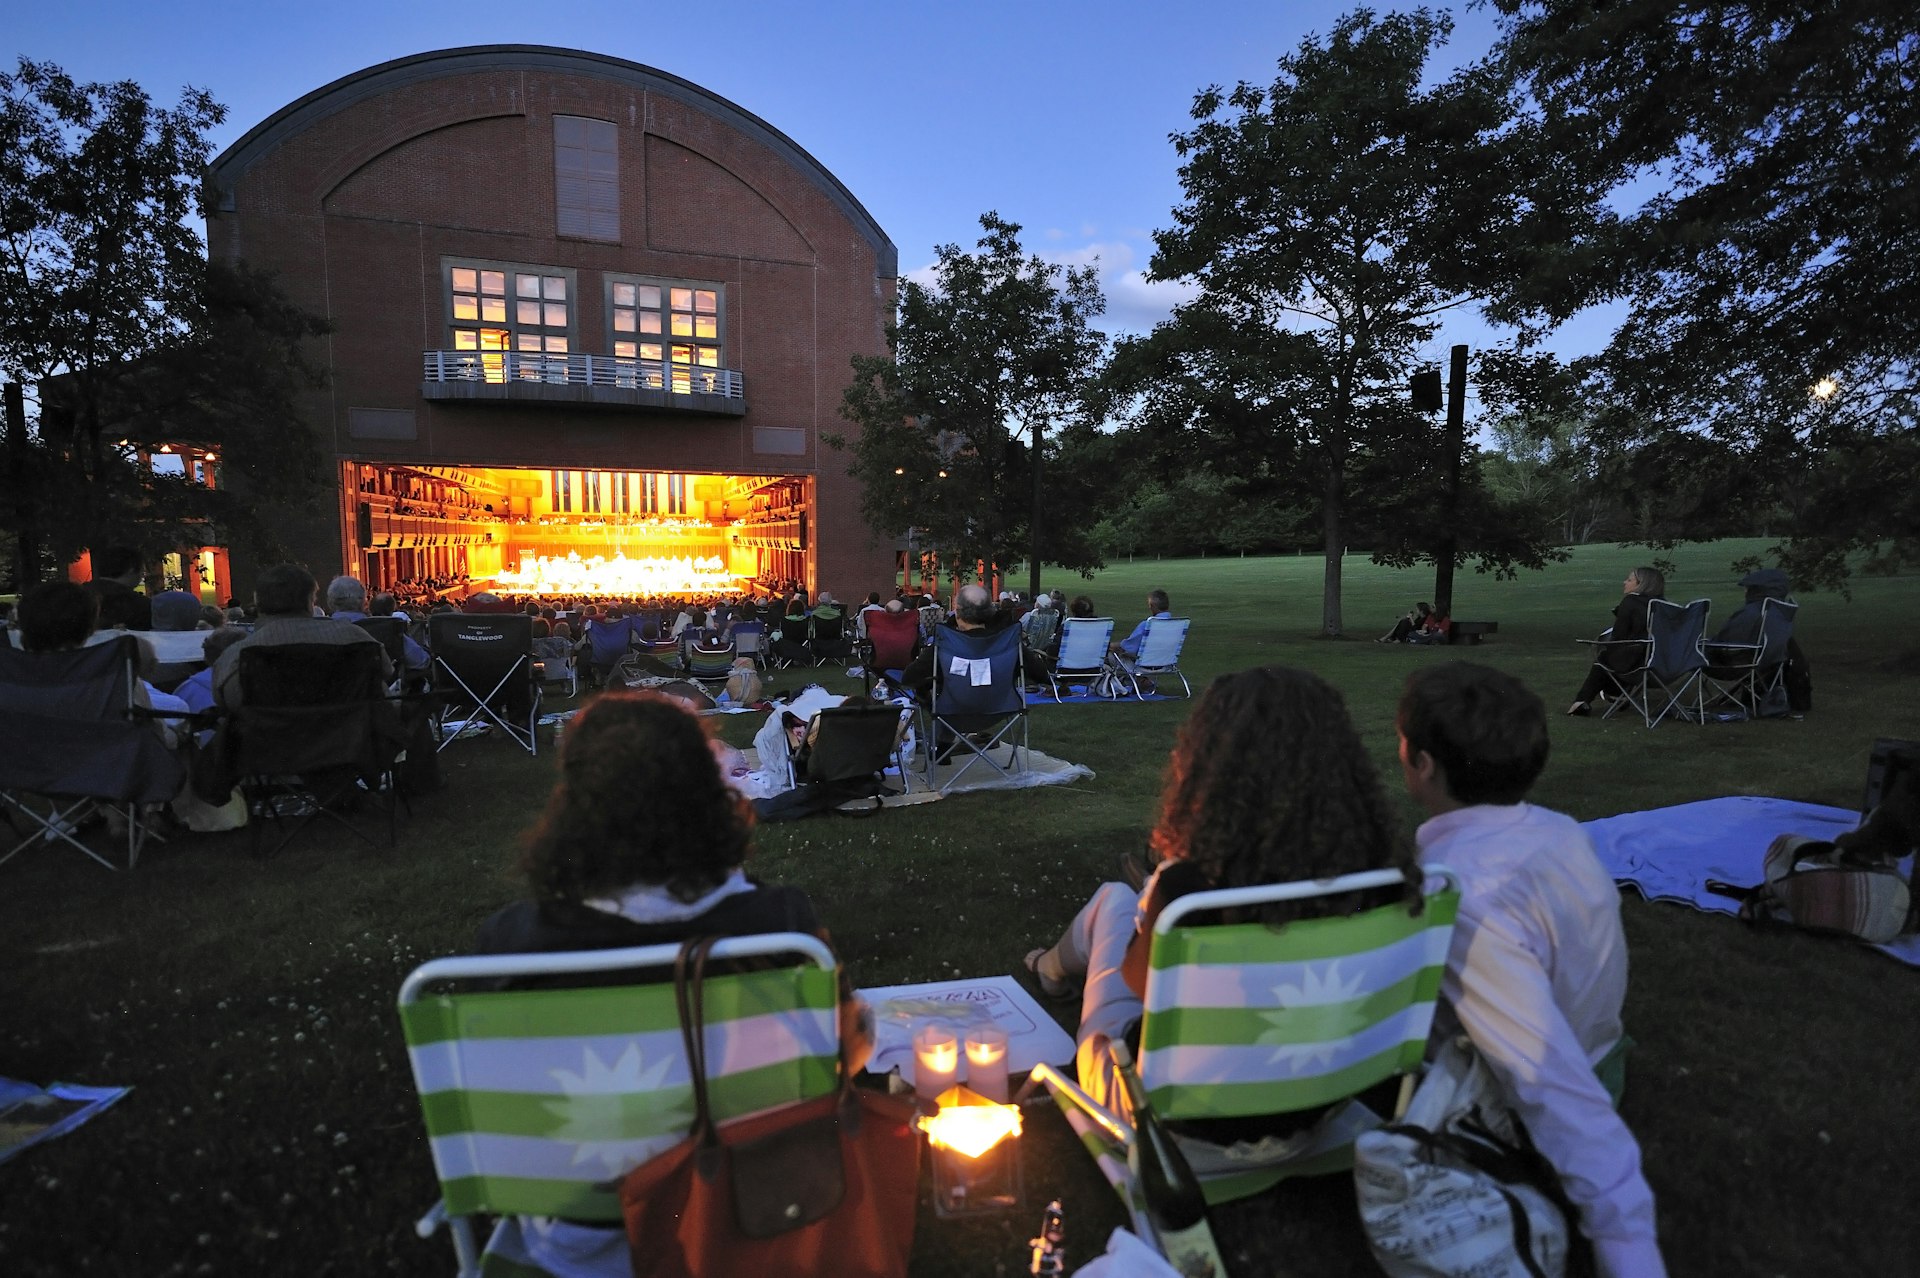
<point>1175,1204</point>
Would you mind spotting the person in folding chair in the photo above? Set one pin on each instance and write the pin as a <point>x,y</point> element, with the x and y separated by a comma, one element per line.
<point>642,842</point>
<point>1537,970</point>
<point>1127,652</point>
<point>1268,783</point>
<point>1642,586</point>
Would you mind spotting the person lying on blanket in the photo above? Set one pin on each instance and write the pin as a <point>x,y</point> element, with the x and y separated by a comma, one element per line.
<point>1537,971</point>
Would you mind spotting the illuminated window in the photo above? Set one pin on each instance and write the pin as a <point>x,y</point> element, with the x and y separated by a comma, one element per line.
<point>497,308</point>
<point>676,494</point>
<point>672,329</point>
<point>586,178</point>
<point>649,493</point>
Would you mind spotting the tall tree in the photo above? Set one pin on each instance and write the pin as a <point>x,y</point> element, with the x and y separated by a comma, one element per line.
<point>1330,220</point>
<point>1763,154</point>
<point>996,351</point>
<point>124,332</point>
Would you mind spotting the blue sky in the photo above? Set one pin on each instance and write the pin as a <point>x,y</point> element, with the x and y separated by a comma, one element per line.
<point>1054,114</point>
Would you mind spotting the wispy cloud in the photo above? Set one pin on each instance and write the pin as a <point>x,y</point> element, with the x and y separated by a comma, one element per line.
<point>1134,303</point>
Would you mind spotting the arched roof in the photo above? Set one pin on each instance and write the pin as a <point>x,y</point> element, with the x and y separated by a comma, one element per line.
<point>298,116</point>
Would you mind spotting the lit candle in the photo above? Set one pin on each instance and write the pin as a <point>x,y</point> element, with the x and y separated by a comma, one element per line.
<point>987,1061</point>
<point>936,1061</point>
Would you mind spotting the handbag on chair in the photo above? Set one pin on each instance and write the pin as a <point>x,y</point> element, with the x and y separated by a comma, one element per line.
<point>823,1186</point>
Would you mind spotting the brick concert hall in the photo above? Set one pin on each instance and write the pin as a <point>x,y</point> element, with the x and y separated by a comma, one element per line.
<point>589,323</point>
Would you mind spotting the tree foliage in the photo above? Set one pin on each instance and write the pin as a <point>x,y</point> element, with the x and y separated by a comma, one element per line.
<point>127,336</point>
<point>999,341</point>
<point>1329,220</point>
<point>1763,155</point>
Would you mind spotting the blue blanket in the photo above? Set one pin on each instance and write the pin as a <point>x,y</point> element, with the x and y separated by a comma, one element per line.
<point>1670,853</point>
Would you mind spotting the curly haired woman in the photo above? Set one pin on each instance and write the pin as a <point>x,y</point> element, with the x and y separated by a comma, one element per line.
<point>642,843</point>
<point>1268,783</point>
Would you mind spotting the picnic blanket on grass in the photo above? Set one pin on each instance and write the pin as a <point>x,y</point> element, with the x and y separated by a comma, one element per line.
<point>1079,696</point>
<point>1668,854</point>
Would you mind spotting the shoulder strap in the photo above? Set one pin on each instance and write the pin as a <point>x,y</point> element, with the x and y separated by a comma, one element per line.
<point>689,975</point>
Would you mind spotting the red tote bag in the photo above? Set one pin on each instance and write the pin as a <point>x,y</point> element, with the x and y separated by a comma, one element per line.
<point>826,1186</point>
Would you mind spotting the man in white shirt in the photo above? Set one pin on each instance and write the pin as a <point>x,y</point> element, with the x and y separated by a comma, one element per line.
<point>1537,971</point>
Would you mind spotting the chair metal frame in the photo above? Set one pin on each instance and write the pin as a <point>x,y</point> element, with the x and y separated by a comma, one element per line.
<point>508,625</point>
<point>415,989</point>
<point>1093,649</point>
<point>1670,667</point>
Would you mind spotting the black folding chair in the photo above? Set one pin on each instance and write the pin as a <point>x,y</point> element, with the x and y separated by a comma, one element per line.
<point>1750,676</point>
<point>483,672</point>
<point>853,744</point>
<point>978,703</point>
<point>314,735</point>
<point>75,740</point>
<point>392,634</point>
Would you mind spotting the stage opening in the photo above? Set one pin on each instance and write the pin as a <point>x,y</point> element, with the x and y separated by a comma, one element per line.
<point>429,531</point>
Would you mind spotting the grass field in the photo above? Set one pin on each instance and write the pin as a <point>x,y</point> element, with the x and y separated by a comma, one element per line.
<point>273,1128</point>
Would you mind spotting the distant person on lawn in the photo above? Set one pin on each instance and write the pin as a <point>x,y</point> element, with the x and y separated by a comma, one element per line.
<point>1537,972</point>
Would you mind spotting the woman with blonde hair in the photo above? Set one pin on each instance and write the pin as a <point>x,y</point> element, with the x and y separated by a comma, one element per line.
<point>1642,586</point>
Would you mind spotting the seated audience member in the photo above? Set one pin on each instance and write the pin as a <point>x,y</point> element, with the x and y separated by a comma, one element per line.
<point>1268,783</point>
<point>285,597</point>
<point>1082,606</point>
<point>116,571</point>
<point>973,609</point>
<point>347,601</point>
<point>59,616</point>
<point>196,693</point>
<point>1642,587</point>
<point>1129,648</point>
<point>1435,628</point>
<point>175,610</point>
<point>1406,626</point>
<point>860,621</point>
<point>1537,972</point>
<point>791,646</point>
<point>1743,626</point>
<point>1040,631</point>
<point>644,842</point>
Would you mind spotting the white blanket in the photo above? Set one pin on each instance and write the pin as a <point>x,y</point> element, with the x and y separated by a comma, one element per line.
<point>1670,853</point>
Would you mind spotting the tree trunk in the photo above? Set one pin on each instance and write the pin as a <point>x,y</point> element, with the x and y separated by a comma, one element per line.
<point>1333,494</point>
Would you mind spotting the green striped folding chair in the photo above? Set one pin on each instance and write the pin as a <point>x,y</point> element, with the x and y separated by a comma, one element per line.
<point>1243,1020</point>
<point>538,1101</point>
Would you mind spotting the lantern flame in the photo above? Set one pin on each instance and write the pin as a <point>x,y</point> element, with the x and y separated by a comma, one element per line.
<point>969,1123</point>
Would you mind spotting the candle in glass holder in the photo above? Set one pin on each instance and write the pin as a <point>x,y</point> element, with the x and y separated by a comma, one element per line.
<point>987,1061</point>
<point>936,1061</point>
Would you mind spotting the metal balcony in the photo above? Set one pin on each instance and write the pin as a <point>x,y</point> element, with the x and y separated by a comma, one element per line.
<point>586,381</point>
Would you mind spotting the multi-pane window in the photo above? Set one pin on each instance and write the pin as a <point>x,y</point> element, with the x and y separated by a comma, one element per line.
<point>649,493</point>
<point>672,329</point>
<point>586,177</point>
<point>503,308</point>
<point>676,494</point>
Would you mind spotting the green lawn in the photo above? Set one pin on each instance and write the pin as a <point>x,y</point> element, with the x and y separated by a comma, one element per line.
<point>273,1128</point>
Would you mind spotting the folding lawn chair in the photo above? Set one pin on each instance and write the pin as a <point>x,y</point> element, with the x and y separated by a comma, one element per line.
<point>609,645</point>
<point>1750,676</point>
<point>827,637</point>
<point>1159,655</point>
<point>1666,665</point>
<point>889,646</point>
<point>708,658</point>
<point>978,704</point>
<point>854,744</point>
<point>1246,1020</point>
<point>1083,654</point>
<point>314,735</point>
<point>750,640</point>
<point>392,634</point>
<point>76,741</point>
<point>483,669</point>
<point>537,1101</point>
<point>554,665</point>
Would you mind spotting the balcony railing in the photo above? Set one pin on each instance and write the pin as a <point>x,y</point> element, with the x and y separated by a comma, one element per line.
<point>514,368</point>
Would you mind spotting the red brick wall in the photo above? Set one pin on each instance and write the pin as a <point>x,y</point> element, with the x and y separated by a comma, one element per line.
<point>356,210</point>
